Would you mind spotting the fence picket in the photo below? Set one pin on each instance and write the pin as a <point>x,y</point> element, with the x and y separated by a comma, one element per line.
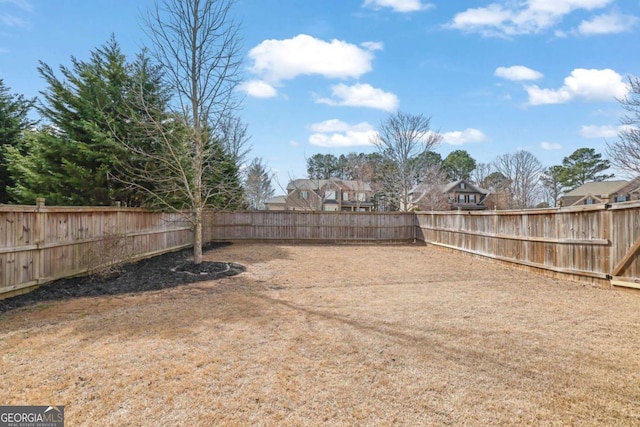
<point>39,244</point>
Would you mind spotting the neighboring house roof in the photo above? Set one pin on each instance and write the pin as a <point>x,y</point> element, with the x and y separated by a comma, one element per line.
<point>454,185</point>
<point>316,184</point>
<point>597,188</point>
<point>276,200</point>
<point>447,188</point>
<point>632,187</point>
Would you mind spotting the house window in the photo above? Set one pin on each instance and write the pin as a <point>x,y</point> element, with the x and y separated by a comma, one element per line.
<point>345,196</point>
<point>620,199</point>
<point>361,197</point>
<point>462,186</point>
<point>589,201</point>
<point>304,195</point>
<point>330,194</point>
<point>466,198</point>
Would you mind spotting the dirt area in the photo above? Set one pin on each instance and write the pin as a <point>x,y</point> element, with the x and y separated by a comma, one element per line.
<point>336,336</point>
<point>161,272</point>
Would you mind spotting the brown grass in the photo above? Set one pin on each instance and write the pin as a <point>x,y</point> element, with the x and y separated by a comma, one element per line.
<point>339,336</point>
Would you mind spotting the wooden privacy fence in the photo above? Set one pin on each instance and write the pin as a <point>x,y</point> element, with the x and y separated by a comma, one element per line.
<point>599,243</point>
<point>39,244</point>
<point>312,226</point>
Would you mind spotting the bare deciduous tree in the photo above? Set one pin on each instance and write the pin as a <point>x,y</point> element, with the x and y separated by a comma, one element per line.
<point>522,169</point>
<point>258,188</point>
<point>233,134</point>
<point>197,44</point>
<point>401,139</point>
<point>625,152</point>
<point>430,195</point>
<point>481,172</point>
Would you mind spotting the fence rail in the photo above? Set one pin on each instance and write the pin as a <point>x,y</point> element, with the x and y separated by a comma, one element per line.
<point>41,244</point>
<point>312,226</point>
<point>599,243</point>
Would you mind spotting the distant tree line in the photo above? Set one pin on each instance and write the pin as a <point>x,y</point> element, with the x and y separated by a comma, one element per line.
<point>110,130</point>
<point>514,180</point>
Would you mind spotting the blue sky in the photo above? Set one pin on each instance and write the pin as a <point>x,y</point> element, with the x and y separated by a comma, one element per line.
<point>495,76</point>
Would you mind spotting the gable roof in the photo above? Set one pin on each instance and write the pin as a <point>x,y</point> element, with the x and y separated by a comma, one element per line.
<point>632,187</point>
<point>276,200</point>
<point>317,184</point>
<point>447,188</point>
<point>597,188</point>
<point>452,185</point>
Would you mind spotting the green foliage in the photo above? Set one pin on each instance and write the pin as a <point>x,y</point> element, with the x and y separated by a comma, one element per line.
<point>326,166</point>
<point>14,110</point>
<point>583,166</point>
<point>459,165</point>
<point>552,180</point>
<point>495,181</point>
<point>222,179</point>
<point>429,159</point>
<point>74,160</point>
<point>44,167</point>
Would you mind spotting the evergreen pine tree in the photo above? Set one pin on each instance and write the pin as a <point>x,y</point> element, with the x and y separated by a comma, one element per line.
<point>74,160</point>
<point>14,120</point>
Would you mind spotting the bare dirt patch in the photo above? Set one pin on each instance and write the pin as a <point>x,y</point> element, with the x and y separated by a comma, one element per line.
<point>335,335</point>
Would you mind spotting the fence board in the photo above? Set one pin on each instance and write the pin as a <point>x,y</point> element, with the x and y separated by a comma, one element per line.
<point>310,226</point>
<point>587,242</point>
<point>598,243</point>
<point>41,244</point>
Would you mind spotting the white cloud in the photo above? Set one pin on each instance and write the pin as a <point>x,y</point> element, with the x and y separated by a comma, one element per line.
<point>466,136</point>
<point>588,85</point>
<point>607,24</point>
<point>361,95</point>
<point>509,18</point>
<point>550,146</point>
<point>259,89</point>
<point>402,6</point>
<point>278,60</point>
<point>372,45</point>
<point>597,132</point>
<point>518,73</point>
<point>336,125</point>
<point>336,133</point>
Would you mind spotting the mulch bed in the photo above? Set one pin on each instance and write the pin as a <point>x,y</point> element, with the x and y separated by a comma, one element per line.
<point>160,272</point>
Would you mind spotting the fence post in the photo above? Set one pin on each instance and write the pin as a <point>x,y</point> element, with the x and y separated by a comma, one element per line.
<point>607,233</point>
<point>39,239</point>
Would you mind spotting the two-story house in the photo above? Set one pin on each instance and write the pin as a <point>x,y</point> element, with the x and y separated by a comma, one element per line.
<point>329,195</point>
<point>456,195</point>
<point>592,193</point>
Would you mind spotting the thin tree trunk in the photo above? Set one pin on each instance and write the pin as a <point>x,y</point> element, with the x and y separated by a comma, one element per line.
<point>197,237</point>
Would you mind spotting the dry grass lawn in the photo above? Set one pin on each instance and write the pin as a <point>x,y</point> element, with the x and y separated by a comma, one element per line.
<point>336,336</point>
